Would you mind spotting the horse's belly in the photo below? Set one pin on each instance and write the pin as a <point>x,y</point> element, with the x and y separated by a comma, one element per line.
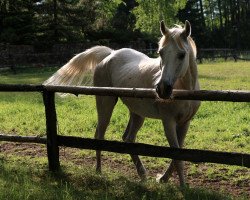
<point>143,107</point>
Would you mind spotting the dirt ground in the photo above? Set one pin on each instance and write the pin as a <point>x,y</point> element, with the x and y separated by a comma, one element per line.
<point>70,154</point>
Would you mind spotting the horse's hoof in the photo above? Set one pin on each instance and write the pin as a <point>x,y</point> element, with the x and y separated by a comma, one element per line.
<point>161,179</point>
<point>98,170</point>
<point>184,185</point>
<point>143,178</point>
<point>142,173</point>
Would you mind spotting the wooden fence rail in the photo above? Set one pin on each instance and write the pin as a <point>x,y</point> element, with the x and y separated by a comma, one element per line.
<point>23,139</point>
<point>217,53</point>
<point>202,95</point>
<point>193,155</point>
<point>53,141</point>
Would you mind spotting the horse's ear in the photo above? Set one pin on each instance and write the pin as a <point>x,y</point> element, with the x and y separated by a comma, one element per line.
<point>164,29</point>
<point>187,29</point>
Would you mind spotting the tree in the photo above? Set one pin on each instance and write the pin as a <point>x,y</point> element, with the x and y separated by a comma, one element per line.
<point>124,19</point>
<point>65,20</point>
<point>106,10</point>
<point>215,23</point>
<point>116,23</point>
<point>225,25</point>
<point>193,11</point>
<point>150,13</point>
<point>17,21</point>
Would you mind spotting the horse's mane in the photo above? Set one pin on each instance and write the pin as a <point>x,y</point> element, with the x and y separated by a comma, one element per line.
<point>175,33</point>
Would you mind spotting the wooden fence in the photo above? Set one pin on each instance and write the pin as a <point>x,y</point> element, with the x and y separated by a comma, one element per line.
<point>217,53</point>
<point>27,57</point>
<point>53,141</point>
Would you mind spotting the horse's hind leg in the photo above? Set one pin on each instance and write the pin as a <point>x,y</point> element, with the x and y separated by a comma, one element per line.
<point>105,106</point>
<point>135,123</point>
<point>125,134</point>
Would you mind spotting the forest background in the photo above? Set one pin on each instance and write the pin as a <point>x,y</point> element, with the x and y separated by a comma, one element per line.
<point>43,23</point>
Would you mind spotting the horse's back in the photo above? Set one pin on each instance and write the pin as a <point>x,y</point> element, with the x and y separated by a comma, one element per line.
<point>131,68</point>
<point>119,67</point>
<point>129,54</point>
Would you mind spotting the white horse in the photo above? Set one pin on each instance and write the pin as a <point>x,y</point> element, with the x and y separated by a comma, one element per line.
<point>174,68</point>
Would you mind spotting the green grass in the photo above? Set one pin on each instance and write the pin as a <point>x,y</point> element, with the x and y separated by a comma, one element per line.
<point>22,179</point>
<point>224,122</point>
<point>225,76</point>
<point>220,126</point>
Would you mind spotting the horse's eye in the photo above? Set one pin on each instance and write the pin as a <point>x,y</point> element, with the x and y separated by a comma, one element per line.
<point>181,56</point>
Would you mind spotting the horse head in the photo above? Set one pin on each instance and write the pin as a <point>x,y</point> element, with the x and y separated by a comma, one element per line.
<point>174,54</point>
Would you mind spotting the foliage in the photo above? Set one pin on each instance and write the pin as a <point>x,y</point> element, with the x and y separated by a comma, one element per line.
<point>17,23</point>
<point>50,21</point>
<point>124,19</point>
<point>220,24</point>
<point>106,12</point>
<point>65,21</point>
<point>150,13</point>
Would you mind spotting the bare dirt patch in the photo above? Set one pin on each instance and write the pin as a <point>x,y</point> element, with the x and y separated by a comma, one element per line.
<point>72,155</point>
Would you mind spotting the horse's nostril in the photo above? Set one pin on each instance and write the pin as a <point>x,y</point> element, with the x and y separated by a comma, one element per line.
<point>164,91</point>
<point>169,88</point>
<point>157,89</point>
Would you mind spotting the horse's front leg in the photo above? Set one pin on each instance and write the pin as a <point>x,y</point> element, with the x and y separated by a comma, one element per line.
<point>181,131</point>
<point>175,141</point>
<point>135,123</point>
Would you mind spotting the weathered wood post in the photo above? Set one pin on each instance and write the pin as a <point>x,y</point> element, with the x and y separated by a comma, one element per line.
<point>235,55</point>
<point>51,130</point>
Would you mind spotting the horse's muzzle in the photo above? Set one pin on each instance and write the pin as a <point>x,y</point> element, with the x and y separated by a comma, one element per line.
<point>164,91</point>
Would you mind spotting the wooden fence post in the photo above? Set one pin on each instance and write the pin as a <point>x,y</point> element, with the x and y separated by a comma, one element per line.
<point>51,130</point>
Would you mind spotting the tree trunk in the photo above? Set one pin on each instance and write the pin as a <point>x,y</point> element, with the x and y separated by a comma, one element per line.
<point>3,11</point>
<point>232,12</point>
<point>202,13</point>
<point>238,24</point>
<point>55,19</point>
<point>220,13</point>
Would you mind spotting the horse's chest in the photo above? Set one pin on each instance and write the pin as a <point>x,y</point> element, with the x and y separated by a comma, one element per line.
<point>142,107</point>
<point>181,111</point>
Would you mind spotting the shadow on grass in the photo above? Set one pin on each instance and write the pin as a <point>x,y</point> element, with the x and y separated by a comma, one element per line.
<point>25,180</point>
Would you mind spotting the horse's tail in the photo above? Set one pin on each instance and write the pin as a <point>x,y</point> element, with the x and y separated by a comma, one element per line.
<point>80,66</point>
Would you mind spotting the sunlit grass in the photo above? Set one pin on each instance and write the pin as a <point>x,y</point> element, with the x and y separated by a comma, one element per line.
<point>217,125</point>
<point>220,126</point>
<point>23,179</point>
<point>225,76</point>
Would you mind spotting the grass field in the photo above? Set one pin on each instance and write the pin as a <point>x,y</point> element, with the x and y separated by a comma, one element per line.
<point>220,126</point>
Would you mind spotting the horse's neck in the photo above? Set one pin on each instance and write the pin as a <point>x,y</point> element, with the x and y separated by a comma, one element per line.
<point>189,81</point>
